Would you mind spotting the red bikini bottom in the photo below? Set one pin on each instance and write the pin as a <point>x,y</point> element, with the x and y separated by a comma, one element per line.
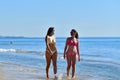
<point>71,54</point>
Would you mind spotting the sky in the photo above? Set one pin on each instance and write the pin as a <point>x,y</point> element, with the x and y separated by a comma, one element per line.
<point>32,18</point>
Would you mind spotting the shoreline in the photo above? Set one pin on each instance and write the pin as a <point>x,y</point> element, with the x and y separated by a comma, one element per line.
<point>16,71</point>
<point>9,71</point>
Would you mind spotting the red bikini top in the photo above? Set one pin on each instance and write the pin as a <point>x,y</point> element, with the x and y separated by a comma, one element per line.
<point>72,43</point>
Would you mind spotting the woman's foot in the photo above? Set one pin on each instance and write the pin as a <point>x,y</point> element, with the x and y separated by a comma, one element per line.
<point>73,77</point>
<point>47,77</point>
<point>68,77</point>
<point>55,75</point>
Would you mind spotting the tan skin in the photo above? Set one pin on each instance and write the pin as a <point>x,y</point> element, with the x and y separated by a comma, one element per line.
<point>71,61</point>
<point>51,57</point>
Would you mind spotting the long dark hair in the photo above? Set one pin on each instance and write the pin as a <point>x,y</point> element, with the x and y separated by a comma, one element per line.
<point>50,32</point>
<point>76,33</point>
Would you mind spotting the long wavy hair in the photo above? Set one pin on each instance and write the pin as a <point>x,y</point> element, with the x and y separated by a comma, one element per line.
<point>50,32</point>
<point>76,33</point>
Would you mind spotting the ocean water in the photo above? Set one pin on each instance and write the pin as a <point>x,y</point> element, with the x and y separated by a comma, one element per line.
<point>23,58</point>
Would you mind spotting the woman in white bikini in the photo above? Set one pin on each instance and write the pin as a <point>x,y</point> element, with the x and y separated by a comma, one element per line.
<point>71,50</point>
<point>51,51</point>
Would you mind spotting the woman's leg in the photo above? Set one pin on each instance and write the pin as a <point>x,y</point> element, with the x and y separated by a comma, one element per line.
<point>48,61</point>
<point>54,61</point>
<point>68,64</point>
<point>73,65</point>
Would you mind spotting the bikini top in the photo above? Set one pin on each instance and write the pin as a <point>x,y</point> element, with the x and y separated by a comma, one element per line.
<point>72,43</point>
<point>51,39</point>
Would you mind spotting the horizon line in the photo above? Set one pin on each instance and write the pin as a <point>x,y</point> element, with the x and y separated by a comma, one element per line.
<point>59,37</point>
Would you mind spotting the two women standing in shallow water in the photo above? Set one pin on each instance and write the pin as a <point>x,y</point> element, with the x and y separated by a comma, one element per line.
<point>70,51</point>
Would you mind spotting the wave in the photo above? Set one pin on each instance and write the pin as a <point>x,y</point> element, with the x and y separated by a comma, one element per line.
<point>7,50</point>
<point>110,61</point>
<point>17,51</point>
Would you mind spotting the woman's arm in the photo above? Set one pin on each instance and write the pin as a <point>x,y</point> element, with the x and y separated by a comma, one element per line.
<point>78,51</point>
<point>47,44</point>
<point>55,45</point>
<point>65,48</point>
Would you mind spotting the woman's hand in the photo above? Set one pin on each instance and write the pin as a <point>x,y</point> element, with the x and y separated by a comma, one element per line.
<point>51,53</point>
<point>78,58</point>
<point>64,55</point>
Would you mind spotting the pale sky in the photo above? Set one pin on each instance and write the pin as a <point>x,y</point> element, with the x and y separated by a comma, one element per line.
<point>32,18</point>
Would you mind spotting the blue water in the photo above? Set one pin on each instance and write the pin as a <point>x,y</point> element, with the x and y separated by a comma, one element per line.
<point>100,57</point>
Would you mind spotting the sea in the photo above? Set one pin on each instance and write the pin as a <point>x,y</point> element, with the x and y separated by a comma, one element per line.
<point>23,58</point>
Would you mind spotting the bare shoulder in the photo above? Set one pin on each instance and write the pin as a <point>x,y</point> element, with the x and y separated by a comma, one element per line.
<point>68,38</point>
<point>47,36</point>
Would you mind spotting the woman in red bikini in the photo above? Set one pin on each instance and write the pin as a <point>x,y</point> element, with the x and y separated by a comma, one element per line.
<point>71,50</point>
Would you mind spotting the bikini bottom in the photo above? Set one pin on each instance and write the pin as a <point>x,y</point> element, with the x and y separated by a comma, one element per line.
<point>71,54</point>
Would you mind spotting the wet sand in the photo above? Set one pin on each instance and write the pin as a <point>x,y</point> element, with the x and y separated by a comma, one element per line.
<point>2,73</point>
<point>11,71</point>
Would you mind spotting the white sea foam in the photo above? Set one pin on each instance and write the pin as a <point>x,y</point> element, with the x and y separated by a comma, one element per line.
<point>17,51</point>
<point>7,50</point>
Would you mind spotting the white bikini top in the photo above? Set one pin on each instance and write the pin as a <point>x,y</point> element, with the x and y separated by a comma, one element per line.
<point>51,39</point>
